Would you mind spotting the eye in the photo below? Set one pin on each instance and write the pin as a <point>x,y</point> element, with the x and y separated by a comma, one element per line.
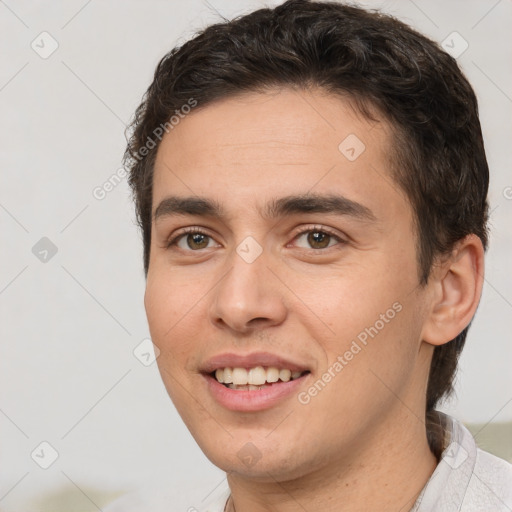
<point>316,239</point>
<point>193,240</point>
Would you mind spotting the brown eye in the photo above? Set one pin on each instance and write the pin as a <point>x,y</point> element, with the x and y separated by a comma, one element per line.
<point>192,241</point>
<point>318,239</point>
<point>197,240</point>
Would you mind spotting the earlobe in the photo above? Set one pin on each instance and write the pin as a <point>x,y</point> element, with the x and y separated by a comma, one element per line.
<point>456,289</point>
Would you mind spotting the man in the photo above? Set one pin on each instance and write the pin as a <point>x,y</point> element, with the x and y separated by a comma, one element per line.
<point>311,184</point>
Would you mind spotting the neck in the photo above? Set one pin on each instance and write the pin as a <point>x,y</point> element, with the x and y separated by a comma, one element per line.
<point>385,469</point>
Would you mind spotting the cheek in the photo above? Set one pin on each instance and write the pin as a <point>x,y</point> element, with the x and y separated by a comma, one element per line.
<point>168,311</point>
<point>167,300</point>
<point>370,361</point>
<point>364,310</point>
<point>347,300</point>
<point>172,321</point>
<point>160,309</point>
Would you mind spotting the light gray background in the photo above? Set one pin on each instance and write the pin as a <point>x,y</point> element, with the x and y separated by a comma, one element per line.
<point>69,326</point>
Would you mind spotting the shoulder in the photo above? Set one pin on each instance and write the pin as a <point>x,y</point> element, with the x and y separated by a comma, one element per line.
<point>467,479</point>
<point>482,481</point>
<point>490,486</point>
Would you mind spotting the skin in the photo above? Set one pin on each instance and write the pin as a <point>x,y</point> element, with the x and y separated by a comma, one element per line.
<point>359,444</point>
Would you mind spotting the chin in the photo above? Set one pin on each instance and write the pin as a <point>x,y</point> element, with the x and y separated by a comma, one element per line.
<point>264,464</point>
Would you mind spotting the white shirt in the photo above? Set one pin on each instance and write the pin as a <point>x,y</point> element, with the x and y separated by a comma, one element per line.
<point>466,479</point>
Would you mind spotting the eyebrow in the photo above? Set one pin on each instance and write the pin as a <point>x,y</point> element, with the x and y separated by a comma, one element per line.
<point>174,205</point>
<point>315,203</point>
<point>284,206</point>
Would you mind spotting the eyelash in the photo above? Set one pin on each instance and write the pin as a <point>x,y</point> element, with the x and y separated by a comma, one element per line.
<point>321,229</point>
<point>310,229</point>
<point>184,232</point>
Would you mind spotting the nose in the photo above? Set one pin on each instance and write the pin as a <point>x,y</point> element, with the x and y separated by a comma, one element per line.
<point>248,297</point>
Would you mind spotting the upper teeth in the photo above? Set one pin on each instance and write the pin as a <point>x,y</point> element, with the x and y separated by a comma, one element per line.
<point>255,376</point>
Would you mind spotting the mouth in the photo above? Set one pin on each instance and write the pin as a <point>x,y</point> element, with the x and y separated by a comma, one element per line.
<point>253,382</point>
<point>256,378</point>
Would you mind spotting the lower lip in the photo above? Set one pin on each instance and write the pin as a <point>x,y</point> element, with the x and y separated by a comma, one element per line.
<point>257,400</point>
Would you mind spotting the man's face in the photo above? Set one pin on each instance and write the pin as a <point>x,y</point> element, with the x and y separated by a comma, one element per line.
<point>284,247</point>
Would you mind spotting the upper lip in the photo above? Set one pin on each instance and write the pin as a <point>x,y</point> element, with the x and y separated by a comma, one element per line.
<point>251,360</point>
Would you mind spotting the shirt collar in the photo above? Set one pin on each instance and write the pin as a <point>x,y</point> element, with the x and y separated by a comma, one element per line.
<point>447,486</point>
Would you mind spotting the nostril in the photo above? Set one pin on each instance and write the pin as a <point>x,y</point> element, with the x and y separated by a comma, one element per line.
<point>257,321</point>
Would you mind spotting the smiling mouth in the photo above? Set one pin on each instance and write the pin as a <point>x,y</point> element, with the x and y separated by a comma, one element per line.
<point>254,379</point>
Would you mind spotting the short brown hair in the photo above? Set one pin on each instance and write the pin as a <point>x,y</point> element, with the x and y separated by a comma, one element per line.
<point>382,65</point>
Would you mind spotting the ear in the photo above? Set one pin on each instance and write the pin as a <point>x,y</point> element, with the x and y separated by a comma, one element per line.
<point>456,286</point>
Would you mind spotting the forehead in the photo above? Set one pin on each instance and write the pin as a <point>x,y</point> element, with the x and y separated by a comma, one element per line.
<point>277,143</point>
